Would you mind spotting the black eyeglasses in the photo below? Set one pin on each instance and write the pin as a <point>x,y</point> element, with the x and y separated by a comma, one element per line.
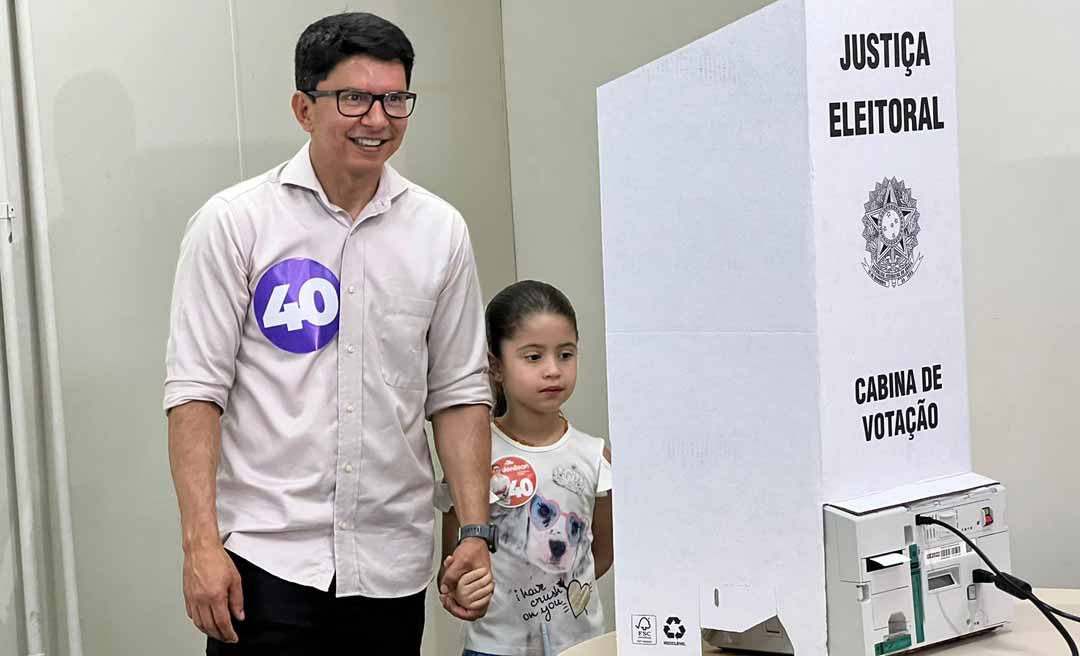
<point>353,103</point>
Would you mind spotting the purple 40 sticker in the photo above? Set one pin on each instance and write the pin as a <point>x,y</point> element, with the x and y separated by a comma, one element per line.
<point>296,305</point>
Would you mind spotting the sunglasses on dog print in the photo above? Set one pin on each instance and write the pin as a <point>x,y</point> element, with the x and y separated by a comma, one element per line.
<point>543,513</point>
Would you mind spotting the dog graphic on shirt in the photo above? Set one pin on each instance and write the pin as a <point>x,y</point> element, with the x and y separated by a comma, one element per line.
<point>552,536</point>
<point>548,537</point>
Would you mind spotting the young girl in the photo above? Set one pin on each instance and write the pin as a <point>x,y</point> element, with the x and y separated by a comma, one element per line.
<point>550,486</point>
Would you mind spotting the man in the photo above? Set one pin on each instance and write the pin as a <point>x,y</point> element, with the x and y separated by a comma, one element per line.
<point>500,483</point>
<point>320,312</point>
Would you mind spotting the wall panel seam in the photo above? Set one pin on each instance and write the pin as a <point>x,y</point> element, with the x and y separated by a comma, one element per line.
<point>236,86</point>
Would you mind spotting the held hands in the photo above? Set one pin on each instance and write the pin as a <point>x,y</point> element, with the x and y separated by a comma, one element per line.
<point>474,590</point>
<point>211,590</point>
<point>465,583</point>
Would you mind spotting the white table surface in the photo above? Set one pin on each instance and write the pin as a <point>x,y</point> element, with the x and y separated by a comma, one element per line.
<point>1029,633</point>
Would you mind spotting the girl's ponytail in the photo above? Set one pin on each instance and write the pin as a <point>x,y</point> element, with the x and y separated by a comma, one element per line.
<point>500,400</point>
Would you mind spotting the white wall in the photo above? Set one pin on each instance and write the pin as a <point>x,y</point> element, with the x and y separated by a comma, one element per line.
<point>140,117</point>
<point>1019,94</point>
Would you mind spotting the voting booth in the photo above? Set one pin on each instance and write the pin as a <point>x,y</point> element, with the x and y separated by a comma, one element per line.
<point>784,307</point>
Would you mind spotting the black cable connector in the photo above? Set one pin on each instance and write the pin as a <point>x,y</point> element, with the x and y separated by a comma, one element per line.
<point>1007,583</point>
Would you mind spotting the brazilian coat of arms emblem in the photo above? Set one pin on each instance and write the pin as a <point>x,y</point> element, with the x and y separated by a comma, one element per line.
<point>891,229</point>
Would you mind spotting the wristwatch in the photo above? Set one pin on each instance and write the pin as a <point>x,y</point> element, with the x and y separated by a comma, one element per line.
<point>487,532</point>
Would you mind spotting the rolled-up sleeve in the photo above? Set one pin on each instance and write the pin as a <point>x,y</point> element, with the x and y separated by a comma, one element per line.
<point>457,345</point>
<point>209,302</point>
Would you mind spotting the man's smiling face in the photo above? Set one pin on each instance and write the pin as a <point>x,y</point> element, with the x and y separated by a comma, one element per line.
<point>355,146</point>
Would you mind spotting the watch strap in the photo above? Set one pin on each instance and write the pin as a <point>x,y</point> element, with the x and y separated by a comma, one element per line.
<point>486,532</point>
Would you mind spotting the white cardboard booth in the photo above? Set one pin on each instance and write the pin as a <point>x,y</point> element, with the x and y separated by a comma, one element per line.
<point>783,289</point>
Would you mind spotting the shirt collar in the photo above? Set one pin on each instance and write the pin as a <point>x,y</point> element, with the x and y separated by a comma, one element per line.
<point>298,171</point>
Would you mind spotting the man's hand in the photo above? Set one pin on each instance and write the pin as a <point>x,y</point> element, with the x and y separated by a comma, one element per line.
<point>211,582</point>
<point>470,555</point>
<point>211,590</point>
<point>463,440</point>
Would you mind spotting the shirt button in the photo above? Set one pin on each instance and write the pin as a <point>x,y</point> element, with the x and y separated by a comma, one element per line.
<point>352,289</point>
<point>349,408</point>
<point>347,468</point>
<point>343,525</point>
<point>351,348</point>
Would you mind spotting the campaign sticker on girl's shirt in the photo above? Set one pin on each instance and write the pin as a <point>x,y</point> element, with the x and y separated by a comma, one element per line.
<point>513,481</point>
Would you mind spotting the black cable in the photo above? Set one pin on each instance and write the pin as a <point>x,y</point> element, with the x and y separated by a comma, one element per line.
<point>1061,613</point>
<point>1008,583</point>
<point>1053,620</point>
<point>1018,588</point>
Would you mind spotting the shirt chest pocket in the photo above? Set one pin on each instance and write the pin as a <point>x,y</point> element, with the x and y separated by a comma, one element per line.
<point>402,336</point>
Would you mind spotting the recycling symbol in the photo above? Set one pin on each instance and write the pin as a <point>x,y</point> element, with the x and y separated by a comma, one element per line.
<point>674,629</point>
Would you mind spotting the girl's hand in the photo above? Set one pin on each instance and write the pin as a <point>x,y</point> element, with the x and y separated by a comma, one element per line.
<point>475,589</point>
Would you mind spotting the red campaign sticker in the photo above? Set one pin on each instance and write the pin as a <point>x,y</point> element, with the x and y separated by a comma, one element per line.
<point>513,481</point>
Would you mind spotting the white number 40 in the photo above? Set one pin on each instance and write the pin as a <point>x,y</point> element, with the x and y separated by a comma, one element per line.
<point>292,315</point>
<point>521,488</point>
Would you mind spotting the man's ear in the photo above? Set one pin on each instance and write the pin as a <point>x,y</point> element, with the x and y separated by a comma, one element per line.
<point>495,367</point>
<point>303,107</point>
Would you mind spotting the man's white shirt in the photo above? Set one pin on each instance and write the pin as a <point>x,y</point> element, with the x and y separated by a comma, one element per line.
<point>327,342</point>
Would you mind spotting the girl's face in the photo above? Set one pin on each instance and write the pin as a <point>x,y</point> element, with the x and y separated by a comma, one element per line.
<point>538,364</point>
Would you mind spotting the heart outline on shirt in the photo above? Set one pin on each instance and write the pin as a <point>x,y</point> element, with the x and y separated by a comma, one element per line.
<point>577,596</point>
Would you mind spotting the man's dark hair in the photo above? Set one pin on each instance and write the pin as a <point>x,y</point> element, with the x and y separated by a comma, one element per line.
<point>328,41</point>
